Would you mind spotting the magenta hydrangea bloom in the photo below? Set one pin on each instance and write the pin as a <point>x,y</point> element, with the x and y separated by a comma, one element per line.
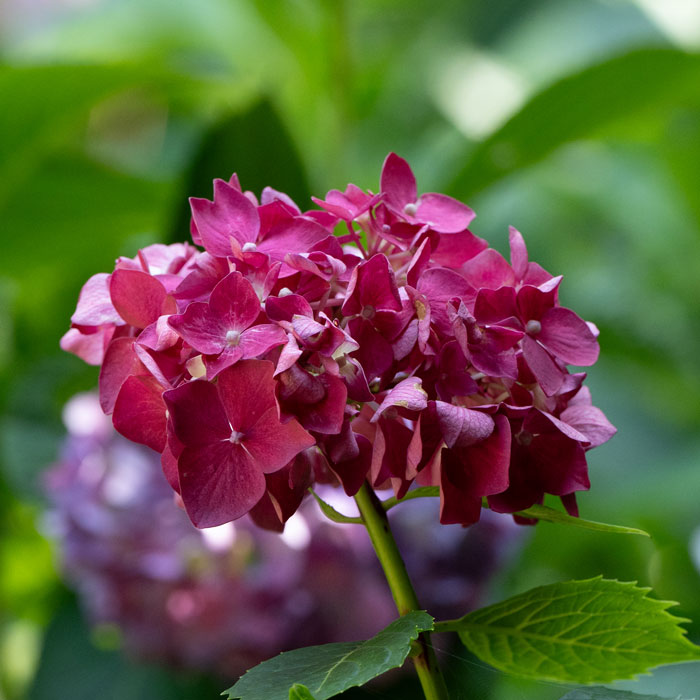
<point>375,338</point>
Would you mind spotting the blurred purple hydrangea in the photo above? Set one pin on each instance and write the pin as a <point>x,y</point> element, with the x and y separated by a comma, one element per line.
<point>224,598</point>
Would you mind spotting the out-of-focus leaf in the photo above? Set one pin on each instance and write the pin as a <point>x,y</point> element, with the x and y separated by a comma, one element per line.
<point>72,667</point>
<point>48,102</point>
<point>593,631</point>
<point>630,86</point>
<point>254,144</point>
<point>608,694</point>
<point>329,669</point>
<point>552,515</point>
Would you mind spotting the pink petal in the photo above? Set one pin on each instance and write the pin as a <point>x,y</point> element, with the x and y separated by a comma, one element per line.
<point>454,249</point>
<point>488,269</point>
<point>95,306</point>
<point>120,362</point>
<point>273,444</point>
<point>568,337</point>
<point>196,414</point>
<point>139,298</point>
<point>219,482</point>
<point>494,305</point>
<point>296,236</point>
<point>372,287</point>
<point>408,394</point>
<point>139,412</point>
<point>590,421</point>
<point>460,426</point>
<point>397,182</point>
<point>518,253</point>
<point>89,347</point>
<point>260,339</point>
<point>235,299</point>
<point>443,214</point>
<point>247,392</point>
<point>546,371</point>
<point>230,215</point>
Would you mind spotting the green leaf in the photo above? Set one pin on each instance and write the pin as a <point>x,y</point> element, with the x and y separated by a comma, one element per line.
<point>645,81</point>
<point>300,692</point>
<point>420,492</point>
<point>607,694</point>
<point>330,669</point>
<point>332,514</point>
<point>556,516</point>
<point>592,631</point>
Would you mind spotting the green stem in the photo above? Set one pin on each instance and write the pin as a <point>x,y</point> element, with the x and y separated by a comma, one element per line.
<point>377,524</point>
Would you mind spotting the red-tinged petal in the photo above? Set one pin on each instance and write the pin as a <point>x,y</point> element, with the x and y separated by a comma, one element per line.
<point>273,444</point>
<point>408,394</point>
<point>460,426</point>
<point>443,214</point>
<point>375,353</point>
<point>548,374</point>
<point>568,337</point>
<point>469,474</point>
<point>454,378</point>
<point>489,270</point>
<point>518,253</point>
<point>247,392</point>
<point>568,500</point>
<point>299,235</point>
<point>455,249</point>
<point>372,287</point>
<point>285,308</point>
<point>89,347</point>
<point>201,328</point>
<point>196,414</point>
<point>120,362</point>
<point>494,305</point>
<point>397,182</point>
<point>440,285</point>
<point>457,504</point>
<point>561,464</point>
<point>533,303</point>
<point>419,262</point>
<point>235,300</point>
<point>216,364</point>
<point>219,482</point>
<point>353,472</point>
<point>260,339</point>
<point>230,215</point>
<point>492,362</point>
<point>95,306</point>
<point>159,336</point>
<point>590,421</point>
<point>139,412</point>
<point>139,298</point>
<point>289,355</point>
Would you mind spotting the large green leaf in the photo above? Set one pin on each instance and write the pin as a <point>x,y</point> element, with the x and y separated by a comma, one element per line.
<point>592,631</point>
<point>608,694</point>
<point>330,669</point>
<point>630,86</point>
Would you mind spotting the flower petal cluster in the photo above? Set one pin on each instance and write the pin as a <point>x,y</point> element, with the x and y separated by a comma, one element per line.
<point>375,337</point>
<point>226,598</point>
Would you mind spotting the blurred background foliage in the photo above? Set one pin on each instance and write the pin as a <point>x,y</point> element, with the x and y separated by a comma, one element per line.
<point>578,121</point>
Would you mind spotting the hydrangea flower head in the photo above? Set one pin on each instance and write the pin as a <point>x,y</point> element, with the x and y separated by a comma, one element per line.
<point>374,338</point>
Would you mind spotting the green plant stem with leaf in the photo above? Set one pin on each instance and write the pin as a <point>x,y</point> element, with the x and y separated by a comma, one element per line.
<point>375,520</point>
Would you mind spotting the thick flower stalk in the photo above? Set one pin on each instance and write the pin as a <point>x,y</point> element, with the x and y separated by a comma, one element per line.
<point>374,338</point>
